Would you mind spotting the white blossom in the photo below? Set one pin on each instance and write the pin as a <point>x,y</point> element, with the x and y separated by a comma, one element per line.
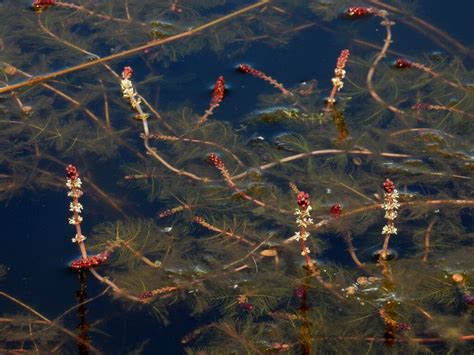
<point>74,221</point>
<point>391,214</point>
<point>305,251</point>
<point>75,207</point>
<point>389,229</point>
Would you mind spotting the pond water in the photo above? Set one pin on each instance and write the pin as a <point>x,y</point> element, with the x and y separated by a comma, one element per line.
<point>273,176</point>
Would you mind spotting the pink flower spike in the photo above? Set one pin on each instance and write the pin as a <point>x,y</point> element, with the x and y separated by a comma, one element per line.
<point>342,59</point>
<point>336,210</point>
<point>127,73</point>
<point>359,11</point>
<point>218,92</point>
<point>95,260</point>
<point>401,63</point>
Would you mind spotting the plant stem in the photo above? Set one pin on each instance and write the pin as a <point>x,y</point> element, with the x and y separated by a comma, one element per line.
<point>388,39</point>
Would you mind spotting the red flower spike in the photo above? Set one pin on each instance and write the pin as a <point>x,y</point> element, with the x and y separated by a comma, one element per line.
<point>218,92</point>
<point>215,161</point>
<point>40,5</point>
<point>336,210</point>
<point>261,75</point>
<point>249,70</point>
<point>359,11</point>
<point>302,198</point>
<point>72,172</point>
<point>82,264</point>
<point>388,186</point>
<point>127,73</point>
<point>342,59</point>
<point>401,63</point>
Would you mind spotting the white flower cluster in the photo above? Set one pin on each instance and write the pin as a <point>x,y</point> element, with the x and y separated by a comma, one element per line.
<point>389,229</point>
<point>75,206</point>
<point>129,93</point>
<point>337,80</point>
<point>73,184</point>
<point>390,206</point>
<point>301,235</point>
<point>78,239</point>
<point>75,220</point>
<point>303,220</point>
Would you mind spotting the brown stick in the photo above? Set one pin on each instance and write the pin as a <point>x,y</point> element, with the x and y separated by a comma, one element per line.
<point>319,152</point>
<point>72,45</point>
<point>159,42</point>
<point>127,11</point>
<point>103,195</point>
<point>152,151</point>
<point>206,225</point>
<point>88,112</point>
<point>198,141</point>
<point>352,252</point>
<point>118,291</point>
<point>366,208</point>
<point>388,39</point>
<point>136,253</point>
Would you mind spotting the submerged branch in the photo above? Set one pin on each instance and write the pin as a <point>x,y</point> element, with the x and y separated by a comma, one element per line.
<point>49,322</point>
<point>383,52</point>
<point>158,42</point>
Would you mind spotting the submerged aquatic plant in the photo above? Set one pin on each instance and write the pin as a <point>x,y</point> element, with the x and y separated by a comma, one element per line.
<point>391,207</point>
<point>258,74</point>
<point>74,184</point>
<point>211,228</point>
<point>217,97</point>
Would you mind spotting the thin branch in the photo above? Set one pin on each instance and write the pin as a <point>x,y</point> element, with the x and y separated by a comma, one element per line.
<point>426,240</point>
<point>388,39</point>
<point>316,153</point>
<point>249,254</point>
<point>352,252</point>
<point>158,42</point>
